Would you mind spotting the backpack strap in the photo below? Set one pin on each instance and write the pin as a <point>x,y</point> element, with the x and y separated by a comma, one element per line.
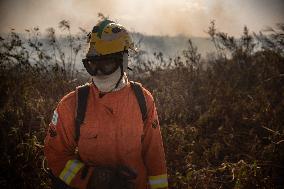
<point>82,98</point>
<point>137,88</point>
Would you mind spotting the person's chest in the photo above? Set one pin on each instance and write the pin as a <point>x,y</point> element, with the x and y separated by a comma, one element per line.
<point>112,129</point>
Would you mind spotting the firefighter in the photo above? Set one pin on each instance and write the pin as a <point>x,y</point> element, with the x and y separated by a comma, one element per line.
<point>116,147</point>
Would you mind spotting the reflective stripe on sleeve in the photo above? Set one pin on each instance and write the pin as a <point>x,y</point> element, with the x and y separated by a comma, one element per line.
<point>159,181</point>
<point>70,170</point>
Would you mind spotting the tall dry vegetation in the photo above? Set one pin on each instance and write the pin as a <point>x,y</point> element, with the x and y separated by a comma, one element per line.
<point>222,118</point>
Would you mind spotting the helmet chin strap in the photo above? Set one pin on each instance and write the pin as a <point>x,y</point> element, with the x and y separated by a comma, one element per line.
<point>102,93</point>
<point>121,75</point>
<point>118,81</point>
<point>123,64</point>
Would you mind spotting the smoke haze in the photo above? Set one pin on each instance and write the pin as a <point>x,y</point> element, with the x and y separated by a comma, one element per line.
<point>159,17</point>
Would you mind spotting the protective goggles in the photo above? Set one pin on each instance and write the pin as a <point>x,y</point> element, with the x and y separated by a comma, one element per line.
<point>105,64</point>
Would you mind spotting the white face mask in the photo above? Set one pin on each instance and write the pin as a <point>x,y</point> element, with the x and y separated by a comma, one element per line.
<point>107,83</point>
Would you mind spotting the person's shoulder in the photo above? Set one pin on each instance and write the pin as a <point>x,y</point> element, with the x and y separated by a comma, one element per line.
<point>67,101</point>
<point>147,94</point>
<point>70,98</point>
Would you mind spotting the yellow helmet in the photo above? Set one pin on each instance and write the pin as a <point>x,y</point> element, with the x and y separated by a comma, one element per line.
<point>108,37</point>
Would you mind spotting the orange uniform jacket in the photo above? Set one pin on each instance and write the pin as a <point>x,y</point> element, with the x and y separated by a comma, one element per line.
<point>113,133</point>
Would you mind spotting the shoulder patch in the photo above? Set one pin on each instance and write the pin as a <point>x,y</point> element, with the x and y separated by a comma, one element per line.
<point>52,131</point>
<point>155,124</point>
<point>54,118</point>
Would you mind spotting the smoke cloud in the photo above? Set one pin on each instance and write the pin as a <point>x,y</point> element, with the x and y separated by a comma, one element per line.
<point>159,17</point>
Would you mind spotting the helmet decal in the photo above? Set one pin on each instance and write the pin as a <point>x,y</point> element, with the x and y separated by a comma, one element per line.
<point>109,37</point>
<point>102,26</point>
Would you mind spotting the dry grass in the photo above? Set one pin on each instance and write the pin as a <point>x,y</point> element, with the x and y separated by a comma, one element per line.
<point>222,126</point>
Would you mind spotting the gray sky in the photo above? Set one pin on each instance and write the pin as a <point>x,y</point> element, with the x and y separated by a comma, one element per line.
<point>153,17</point>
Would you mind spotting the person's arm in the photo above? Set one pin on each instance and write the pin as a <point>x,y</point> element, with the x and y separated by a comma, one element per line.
<point>59,148</point>
<point>153,150</point>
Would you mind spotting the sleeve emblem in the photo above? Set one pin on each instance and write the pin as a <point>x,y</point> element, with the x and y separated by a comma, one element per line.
<point>54,118</point>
